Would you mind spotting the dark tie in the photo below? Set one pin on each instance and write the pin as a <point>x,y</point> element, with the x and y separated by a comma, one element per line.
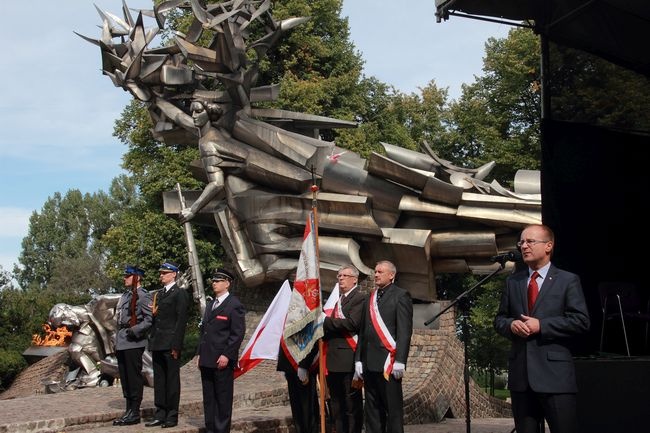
<point>215,304</point>
<point>533,291</point>
<point>133,320</point>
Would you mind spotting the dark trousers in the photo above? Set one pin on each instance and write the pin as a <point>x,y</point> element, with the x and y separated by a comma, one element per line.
<point>129,363</point>
<point>166,385</point>
<point>529,409</point>
<point>384,405</point>
<point>218,387</point>
<point>346,403</point>
<point>304,403</point>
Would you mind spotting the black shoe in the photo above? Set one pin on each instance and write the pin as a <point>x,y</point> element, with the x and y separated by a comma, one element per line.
<point>131,420</point>
<point>169,424</point>
<point>120,420</point>
<point>154,423</point>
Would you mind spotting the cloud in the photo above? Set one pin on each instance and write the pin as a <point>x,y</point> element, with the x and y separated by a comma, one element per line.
<point>14,222</point>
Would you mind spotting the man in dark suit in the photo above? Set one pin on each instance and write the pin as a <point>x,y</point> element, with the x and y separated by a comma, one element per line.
<point>542,308</point>
<point>341,328</point>
<point>301,386</point>
<point>222,331</point>
<point>382,352</point>
<point>134,319</point>
<point>170,309</point>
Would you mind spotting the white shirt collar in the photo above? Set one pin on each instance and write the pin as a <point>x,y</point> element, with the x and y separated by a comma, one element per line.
<point>349,291</point>
<point>223,297</point>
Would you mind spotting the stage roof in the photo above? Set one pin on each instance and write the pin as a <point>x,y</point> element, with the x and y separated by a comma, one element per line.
<point>616,30</point>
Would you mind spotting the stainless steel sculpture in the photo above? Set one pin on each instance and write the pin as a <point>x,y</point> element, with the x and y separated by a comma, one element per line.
<point>92,346</point>
<point>415,209</point>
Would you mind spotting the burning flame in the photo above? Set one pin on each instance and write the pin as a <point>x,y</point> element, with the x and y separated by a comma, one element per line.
<point>57,337</point>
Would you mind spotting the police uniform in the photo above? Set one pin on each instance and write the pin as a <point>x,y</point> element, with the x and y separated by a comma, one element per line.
<point>134,317</point>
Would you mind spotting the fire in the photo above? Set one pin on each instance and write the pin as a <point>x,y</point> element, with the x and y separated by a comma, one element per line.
<point>57,337</point>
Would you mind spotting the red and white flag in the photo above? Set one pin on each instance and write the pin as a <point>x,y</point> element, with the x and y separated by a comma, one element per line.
<point>303,326</point>
<point>265,341</point>
<point>328,308</point>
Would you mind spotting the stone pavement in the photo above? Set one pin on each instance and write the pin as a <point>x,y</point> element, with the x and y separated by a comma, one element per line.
<point>260,406</point>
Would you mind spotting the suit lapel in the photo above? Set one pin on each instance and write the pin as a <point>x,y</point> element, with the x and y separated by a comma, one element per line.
<point>547,286</point>
<point>522,290</point>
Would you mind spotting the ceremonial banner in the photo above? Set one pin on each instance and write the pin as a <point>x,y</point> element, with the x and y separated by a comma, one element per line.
<point>303,326</point>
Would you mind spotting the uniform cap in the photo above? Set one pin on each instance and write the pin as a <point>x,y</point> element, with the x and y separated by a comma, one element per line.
<point>168,267</point>
<point>221,274</point>
<point>133,270</point>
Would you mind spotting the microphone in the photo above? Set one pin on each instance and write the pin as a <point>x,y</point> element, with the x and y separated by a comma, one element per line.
<point>510,256</point>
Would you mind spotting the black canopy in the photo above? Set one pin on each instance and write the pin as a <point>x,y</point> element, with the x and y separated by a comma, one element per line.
<point>616,30</point>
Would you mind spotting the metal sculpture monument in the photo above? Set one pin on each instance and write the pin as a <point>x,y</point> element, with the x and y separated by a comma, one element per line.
<point>415,209</point>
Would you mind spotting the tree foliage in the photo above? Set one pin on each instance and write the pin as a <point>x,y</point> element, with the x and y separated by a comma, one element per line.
<point>497,117</point>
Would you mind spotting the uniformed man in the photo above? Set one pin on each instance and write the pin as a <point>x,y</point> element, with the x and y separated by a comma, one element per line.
<point>170,309</point>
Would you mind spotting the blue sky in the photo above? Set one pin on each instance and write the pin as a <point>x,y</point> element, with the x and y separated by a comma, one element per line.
<point>57,110</point>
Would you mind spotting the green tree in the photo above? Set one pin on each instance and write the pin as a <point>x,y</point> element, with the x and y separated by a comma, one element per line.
<point>62,230</point>
<point>488,351</point>
<point>497,118</point>
<point>6,279</point>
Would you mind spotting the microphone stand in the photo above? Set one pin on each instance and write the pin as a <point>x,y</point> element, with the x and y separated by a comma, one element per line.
<point>464,307</point>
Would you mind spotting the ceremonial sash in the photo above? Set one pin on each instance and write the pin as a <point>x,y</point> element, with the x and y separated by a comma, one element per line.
<point>386,339</point>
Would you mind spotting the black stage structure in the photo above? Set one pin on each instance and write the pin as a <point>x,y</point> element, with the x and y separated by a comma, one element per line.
<point>595,189</point>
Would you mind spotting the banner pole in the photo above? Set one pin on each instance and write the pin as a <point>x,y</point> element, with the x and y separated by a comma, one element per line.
<point>321,355</point>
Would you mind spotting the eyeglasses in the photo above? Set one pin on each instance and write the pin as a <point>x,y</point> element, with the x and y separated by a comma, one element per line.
<point>530,242</point>
<point>345,276</point>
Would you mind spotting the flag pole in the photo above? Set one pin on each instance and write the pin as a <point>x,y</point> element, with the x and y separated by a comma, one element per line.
<point>321,357</point>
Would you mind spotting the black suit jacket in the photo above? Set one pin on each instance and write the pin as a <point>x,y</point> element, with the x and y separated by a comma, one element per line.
<point>340,356</point>
<point>396,310</point>
<point>222,332</point>
<point>544,360</point>
<point>170,319</point>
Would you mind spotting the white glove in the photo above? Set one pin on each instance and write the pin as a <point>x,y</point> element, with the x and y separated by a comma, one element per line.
<point>322,316</point>
<point>302,375</point>
<point>358,370</point>
<point>398,370</point>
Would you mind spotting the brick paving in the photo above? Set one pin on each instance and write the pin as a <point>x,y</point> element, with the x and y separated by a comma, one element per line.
<point>433,388</point>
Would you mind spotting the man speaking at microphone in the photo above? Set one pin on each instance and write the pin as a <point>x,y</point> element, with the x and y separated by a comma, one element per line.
<point>542,309</point>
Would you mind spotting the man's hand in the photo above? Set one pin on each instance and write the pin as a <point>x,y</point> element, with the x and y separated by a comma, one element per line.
<point>532,323</point>
<point>130,334</point>
<point>398,370</point>
<point>303,375</point>
<point>520,328</point>
<point>176,353</point>
<point>222,362</point>
<point>358,370</point>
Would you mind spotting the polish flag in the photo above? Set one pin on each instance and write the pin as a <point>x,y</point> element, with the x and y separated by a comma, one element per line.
<point>328,308</point>
<point>265,341</point>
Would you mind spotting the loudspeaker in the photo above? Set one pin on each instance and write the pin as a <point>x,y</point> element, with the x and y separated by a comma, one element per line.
<point>613,394</point>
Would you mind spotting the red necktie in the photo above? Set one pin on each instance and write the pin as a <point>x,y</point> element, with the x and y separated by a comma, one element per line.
<point>533,291</point>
